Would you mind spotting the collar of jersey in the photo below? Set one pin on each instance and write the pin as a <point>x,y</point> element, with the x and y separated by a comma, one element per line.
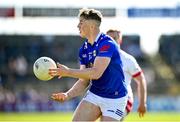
<point>96,40</point>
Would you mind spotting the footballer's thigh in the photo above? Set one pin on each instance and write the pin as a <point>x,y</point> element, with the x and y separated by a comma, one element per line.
<point>86,111</point>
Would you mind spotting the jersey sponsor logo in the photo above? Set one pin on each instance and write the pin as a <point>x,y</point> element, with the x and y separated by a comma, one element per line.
<point>104,48</point>
<point>84,55</point>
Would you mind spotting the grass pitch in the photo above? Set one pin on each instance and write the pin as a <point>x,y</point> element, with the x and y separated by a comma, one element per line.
<point>59,116</point>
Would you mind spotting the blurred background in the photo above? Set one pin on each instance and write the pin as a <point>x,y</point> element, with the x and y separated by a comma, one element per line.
<point>30,29</point>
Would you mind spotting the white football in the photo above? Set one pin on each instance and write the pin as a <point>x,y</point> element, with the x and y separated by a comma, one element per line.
<point>41,68</point>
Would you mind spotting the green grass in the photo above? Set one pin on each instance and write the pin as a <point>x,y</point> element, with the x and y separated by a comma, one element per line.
<point>58,116</point>
<point>37,116</point>
<point>155,117</point>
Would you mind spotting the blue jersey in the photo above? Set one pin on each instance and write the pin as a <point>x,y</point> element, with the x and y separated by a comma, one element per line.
<point>111,84</point>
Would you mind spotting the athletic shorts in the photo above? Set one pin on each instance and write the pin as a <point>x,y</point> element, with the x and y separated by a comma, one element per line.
<point>114,108</point>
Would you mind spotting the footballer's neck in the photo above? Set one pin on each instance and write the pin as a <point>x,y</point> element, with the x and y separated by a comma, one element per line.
<point>93,35</point>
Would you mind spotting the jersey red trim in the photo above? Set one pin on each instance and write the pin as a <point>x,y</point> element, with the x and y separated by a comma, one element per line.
<point>137,74</point>
<point>105,48</point>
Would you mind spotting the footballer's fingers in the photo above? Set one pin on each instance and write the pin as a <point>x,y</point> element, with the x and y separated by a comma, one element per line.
<point>62,67</point>
<point>53,72</point>
<point>58,97</point>
<point>59,65</point>
<point>53,96</point>
<point>141,112</point>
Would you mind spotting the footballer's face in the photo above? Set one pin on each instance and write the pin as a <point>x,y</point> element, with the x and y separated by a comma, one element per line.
<point>83,27</point>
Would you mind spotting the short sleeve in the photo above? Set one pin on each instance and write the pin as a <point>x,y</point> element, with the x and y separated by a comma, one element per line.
<point>133,66</point>
<point>106,49</point>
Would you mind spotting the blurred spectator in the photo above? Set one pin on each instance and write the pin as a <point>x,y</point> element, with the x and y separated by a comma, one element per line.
<point>134,49</point>
<point>21,66</point>
<point>11,75</point>
<point>10,99</point>
<point>131,45</point>
<point>33,50</point>
<point>2,56</point>
<point>2,98</point>
<point>170,52</point>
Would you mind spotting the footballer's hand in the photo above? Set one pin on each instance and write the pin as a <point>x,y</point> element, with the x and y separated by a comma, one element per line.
<point>60,71</point>
<point>60,97</point>
<point>142,110</point>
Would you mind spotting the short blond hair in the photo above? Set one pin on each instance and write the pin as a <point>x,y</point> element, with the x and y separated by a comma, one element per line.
<point>91,14</point>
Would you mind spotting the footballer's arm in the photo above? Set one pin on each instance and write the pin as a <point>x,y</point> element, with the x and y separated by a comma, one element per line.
<point>77,89</point>
<point>99,66</point>
<point>142,93</point>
